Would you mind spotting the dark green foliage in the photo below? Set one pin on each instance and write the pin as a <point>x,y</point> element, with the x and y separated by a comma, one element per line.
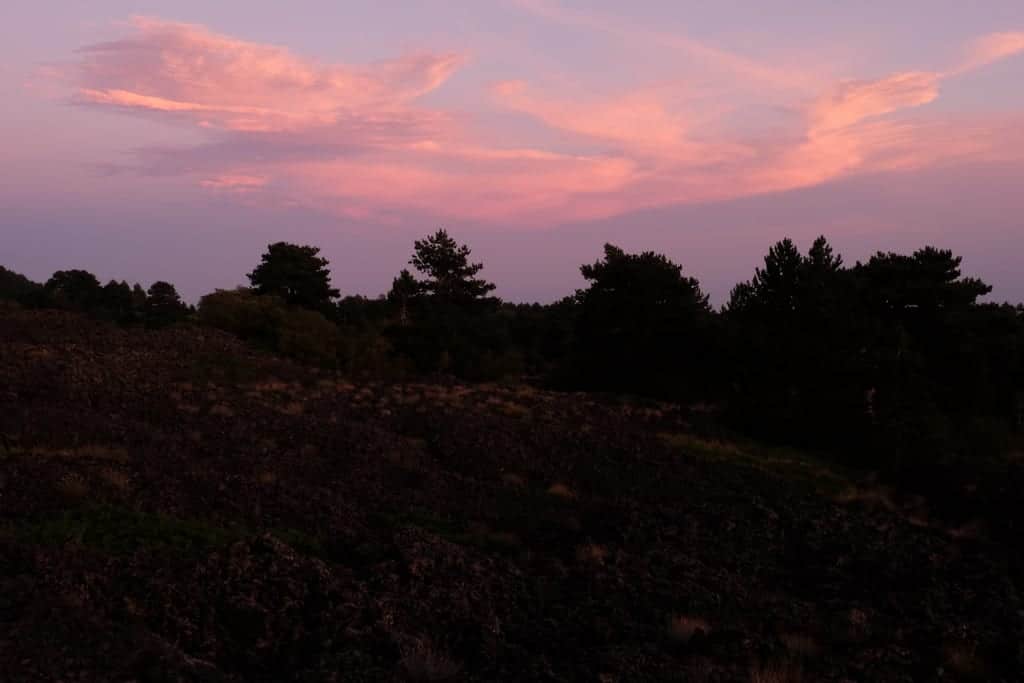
<point>138,297</point>
<point>794,344</point>
<point>404,289</point>
<point>446,323</point>
<point>269,321</point>
<point>776,287</point>
<point>643,326</point>
<point>163,305</point>
<point>307,335</point>
<point>77,290</point>
<point>297,274</point>
<point>120,531</point>
<point>894,360</point>
<point>17,287</point>
<point>544,337</point>
<point>929,281</point>
<point>468,340</point>
<point>450,275</point>
<point>117,301</point>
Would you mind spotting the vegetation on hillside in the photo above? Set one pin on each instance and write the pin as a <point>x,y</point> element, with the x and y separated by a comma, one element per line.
<point>178,505</point>
<point>894,364</point>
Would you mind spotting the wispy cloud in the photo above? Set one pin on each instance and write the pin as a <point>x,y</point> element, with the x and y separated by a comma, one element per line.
<point>236,183</point>
<point>359,140</point>
<point>220,82</point>
<point>702,55</point>
<point>636,121</point>
<point>990,49</point>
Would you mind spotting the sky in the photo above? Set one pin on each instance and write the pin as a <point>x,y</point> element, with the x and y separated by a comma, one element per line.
<point>173,141</point>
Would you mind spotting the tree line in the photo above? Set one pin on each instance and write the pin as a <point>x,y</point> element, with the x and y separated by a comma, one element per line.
<point>80,290</point>
<point>895,359</point>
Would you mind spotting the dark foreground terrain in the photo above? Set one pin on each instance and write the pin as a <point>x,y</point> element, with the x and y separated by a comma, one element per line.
<point>177,507</point>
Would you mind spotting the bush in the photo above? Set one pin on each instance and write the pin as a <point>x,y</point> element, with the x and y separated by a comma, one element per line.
<point>366,352</point>
<point>267,320</point>
<point>17,287</point>
<point>240,312</point>
<point>307,335</point>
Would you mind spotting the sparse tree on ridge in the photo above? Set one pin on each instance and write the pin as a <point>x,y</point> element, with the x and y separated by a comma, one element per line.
<point>450,274</point>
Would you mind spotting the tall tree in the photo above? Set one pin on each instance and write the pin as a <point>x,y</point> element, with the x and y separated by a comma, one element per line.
<point>455,327</point>
<point>75,289</point>
<point>403,289</point>
<point>927,281</point>
<point>450,274</point>
<point>138,298</point>
<point>117,300</point>
<point>163,305</point>
<point>297,274</point>
<point>791,285</point>
<point>775,286</point>
<point>643,324</point>
<point>795,344</point>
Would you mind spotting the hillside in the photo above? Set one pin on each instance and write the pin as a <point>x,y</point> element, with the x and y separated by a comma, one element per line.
<point>175,506</point>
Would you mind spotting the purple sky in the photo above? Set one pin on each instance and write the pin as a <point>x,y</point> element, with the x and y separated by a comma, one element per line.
<point>158,140</point>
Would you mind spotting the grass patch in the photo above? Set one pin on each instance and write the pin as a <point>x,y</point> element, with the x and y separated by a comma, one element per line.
<point>120,531</point>
<point>793,465</point>
<point>302,542</point>
<point>89,452</point>
<point>224,366</point>
<point>494,542</point>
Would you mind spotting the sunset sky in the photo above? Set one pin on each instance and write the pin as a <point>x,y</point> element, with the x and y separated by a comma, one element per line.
<point>160,140</point>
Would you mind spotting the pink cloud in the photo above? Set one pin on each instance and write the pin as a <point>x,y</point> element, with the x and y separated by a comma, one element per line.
<point>990,49</point>
<point>635,120</point>
<point>854,101</point>
<point>237,183</point>
<point>699,53</point>
<point>227,83</point>
<point>482,187</point>
<point>358,140</point>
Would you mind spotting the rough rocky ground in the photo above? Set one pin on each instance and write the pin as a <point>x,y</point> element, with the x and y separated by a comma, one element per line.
<point>177,507</point>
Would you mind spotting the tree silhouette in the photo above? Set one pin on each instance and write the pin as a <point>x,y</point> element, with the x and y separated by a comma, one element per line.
<point>163,305</point>
<point>795,336</point>
<point>820,257</point>
<point>453,327</point>
<point>138,298</point>
<point>295,273</point>
<point>117,300</point>
<point>642,324</point>
<point>450,275</point>
<point>899,355</point>
<point>74,289</point>
<point>789,284</point>
<point>927,281</point>
<point>17,287</point>
<point>403,289</point>
<point>775,287</point>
